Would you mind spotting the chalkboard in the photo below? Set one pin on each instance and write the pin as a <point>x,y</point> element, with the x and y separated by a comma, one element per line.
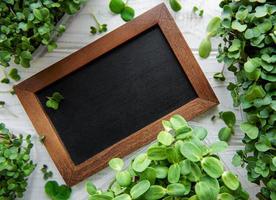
<point>117,91</point>
<point>117,94</point>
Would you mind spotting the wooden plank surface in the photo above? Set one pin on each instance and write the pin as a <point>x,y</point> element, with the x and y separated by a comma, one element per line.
<point>77,36</point>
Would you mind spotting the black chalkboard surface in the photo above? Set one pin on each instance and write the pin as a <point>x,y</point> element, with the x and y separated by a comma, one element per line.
<point>117,94</point>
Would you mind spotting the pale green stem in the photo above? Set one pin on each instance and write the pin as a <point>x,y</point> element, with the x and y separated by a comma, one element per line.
<point>94,17</point>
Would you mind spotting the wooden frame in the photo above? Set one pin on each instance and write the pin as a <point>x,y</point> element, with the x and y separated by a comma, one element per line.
<point>26,90</point>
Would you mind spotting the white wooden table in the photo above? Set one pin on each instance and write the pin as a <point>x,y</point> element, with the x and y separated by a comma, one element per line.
<point>76,36</point>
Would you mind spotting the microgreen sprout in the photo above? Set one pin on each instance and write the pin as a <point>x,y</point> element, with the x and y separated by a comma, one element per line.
<point>15,163</point>
<point>247,32</point>
<point>178,166</point>
<point>56,191</point>
<point>120,7</point>
<point>46,173</point>
<point>54,101</point>
<point>100,27</point>
<point>198,11</point>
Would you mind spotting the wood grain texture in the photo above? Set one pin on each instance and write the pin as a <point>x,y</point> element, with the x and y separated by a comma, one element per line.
<point>26,90</point>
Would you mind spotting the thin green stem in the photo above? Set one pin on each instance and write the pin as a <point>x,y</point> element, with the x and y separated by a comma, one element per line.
<point>96,20</point>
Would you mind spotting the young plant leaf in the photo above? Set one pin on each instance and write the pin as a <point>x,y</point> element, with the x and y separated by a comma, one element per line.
<point>165,138</point>
<point>212,166</point>
<point>141,162</point>
<point>230,180</point>
<point>139,189</point>
<point>116,164</point>
<point>175,5</point>
<point>205,48</point>
<point>127,13</point>
<point>250,130</point>
<point>116,6</point>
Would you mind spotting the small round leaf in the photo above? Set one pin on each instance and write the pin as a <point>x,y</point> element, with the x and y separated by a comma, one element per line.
<point>116,164</point>
<point>127,13</point>
<point>230,180</point>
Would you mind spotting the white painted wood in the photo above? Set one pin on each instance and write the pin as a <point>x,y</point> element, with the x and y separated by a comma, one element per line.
<point>76,36</point>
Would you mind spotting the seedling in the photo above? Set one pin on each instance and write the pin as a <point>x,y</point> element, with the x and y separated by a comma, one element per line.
<point>46,174</point>
<point>120,7</point>
<point>178,166</point>
<point>54,101</point>
<point>100,27</point>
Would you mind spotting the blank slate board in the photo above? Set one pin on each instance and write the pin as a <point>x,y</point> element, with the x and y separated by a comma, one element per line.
<point>117,90</point>
<point>118,94</point>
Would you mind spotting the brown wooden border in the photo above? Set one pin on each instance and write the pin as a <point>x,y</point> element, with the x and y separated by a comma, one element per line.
<point>26,90</point>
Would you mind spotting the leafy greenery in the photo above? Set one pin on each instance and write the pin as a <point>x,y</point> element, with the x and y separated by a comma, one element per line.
<point>15,164</point>
<point>120,7</point>
<point>198,11</point>
<point>178,166</point>
<point>54,100</point>
<point>46,173</point>
<point>100,28</point>
<point>27,24</point>
<point>229,119</point>
<point>248,32</point>
<point>175,5</point>
<point>56,191</point>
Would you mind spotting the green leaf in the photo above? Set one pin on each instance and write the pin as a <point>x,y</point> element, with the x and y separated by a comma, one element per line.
<point>141,162</point>
<point>236,161</point>
<point>213,26</point>
<point>179,124</point>
<point>225,196</point>
<point>204,191</point>
<point>252,64</point>
<point>56,192</point>
<point>161,171</point>
<point>14,74</point>
<point>127,13</point>
<point>205,48</point>
<point>236,25</point>
<point>100,197</point>
<point>229,118</point>
<point>122,197</point>
<point>174,173</point>
<point>149,174</point>
<point>225,134</point>
<point>185,166</point>
<point>274,161</point>
<point>165,138</point>
<point>175,5</point>
<point>116,164</point>
<point>123,178</point>
<point>230,180</point>
<point>212,166</point>
<point>90,188</point>
<point>254,92</point>
<point>52,104</point>
<point>157,153</point>
<point>155,192</point>
<point>218,147</point>
<point>250,130</point>
<point>176,189</point>
<point>260,11</point>
<point>200,132</point>
<point>116,6</point>
<point>139,189</point>
<point>219,76</point>
<point>191,151</point>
